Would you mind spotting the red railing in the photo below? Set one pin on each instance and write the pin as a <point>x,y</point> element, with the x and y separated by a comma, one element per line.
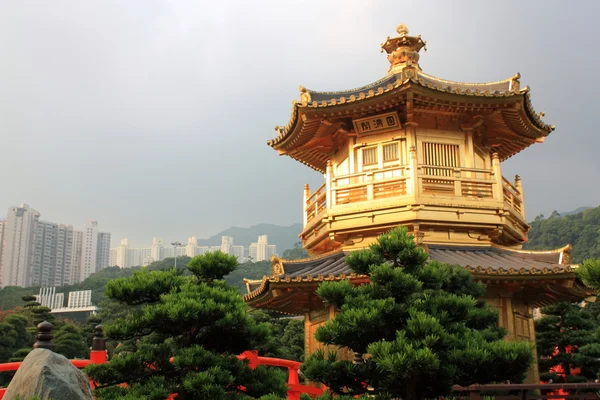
<point>295,388</point>
<point>98,355</point>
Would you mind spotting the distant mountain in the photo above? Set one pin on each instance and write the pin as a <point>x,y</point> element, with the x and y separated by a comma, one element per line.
<point>284,237</point>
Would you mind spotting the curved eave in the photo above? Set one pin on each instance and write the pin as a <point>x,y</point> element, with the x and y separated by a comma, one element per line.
<point>267,281</point>
<point>298,129</point>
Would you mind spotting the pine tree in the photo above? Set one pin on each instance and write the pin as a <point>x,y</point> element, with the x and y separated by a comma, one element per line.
<point>184,337</point>
<point>70,342</point>
<point>565,336</point>
<point>420,322</point>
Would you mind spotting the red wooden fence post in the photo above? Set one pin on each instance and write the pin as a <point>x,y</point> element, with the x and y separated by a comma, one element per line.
<point>293,381</point>
<point>98,353</point>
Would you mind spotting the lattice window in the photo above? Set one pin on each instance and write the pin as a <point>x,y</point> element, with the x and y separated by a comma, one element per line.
<point>440,155</point>
<point>390,152</point>
<point>369,156</point>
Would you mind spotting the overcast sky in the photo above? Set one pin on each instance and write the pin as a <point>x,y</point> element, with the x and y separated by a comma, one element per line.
<point>152,116</point>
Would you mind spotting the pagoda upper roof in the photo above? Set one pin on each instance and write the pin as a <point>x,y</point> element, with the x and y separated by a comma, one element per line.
<point>504,104</point>
<point>486,263</point>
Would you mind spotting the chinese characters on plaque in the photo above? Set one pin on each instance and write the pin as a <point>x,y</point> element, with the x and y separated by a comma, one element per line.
<point>377,123</point>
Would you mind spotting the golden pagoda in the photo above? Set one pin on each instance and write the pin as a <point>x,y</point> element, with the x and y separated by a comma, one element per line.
<point>415,150</point>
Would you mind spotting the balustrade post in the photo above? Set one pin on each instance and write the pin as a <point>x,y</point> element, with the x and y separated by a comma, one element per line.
<point>98,353</point>
<point>498,193</point>
<point>413,179</point>
<point>328,176</point>
<point>306,197</point>
<point>519,187</point>
<point>44,336</point>
<point>457,183</point>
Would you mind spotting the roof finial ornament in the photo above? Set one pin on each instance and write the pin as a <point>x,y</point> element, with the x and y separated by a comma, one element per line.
<point>402,30</point>
<point>403,53</point>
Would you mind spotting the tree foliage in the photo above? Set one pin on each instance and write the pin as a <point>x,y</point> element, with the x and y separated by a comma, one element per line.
<point>286,339</point>
<point>183,337</point>
<point>565,337</point>
<point>581,230</point>
<point>295,253</point>
<point>420,323</point>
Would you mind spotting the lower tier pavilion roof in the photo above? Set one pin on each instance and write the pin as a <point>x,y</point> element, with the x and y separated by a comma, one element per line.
<point>548,275</point>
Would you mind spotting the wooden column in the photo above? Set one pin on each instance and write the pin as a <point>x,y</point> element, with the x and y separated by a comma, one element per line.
<point>306,197</point>
<point>497,177</point>
<point>412,184</point>
<point>328,187</point>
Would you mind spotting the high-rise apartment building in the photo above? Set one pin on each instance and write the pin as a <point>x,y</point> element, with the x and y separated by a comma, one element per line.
<point>261,248</point>
<point>157,248</point>
<point>103,252</point>
<point>239,253</point>
<point>89,249</point>
<point>76,257</point>
<point>112,260</point>
<point>253,252</point>
<point>203,250</point>
<point>271,251</point>
<point>42,253</point>
<point>20,231</point>
<point>226,243</point>
<point>53,250</point>
<point>139,257</point>
<point>191,250</point>
<point>123,254</point>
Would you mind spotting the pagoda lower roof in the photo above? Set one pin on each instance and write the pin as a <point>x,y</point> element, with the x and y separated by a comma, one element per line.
<point>486,263</point>
<point>517,115</point>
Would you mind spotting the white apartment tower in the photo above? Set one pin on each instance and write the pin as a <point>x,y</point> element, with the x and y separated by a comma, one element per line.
<point>261,248</point>
<point>226,243</point>
<point>157,249</point>
<point>112,261</point>
<point>238,252</point>
<point>103,254</point>
<point>76,257</point>
<point>20,230</point>
<point>53,250</point>
<point>123,254</point>
<point>89,249</point>
<point>191,250</point>
<point>253,252</point>
<point>271,251</point>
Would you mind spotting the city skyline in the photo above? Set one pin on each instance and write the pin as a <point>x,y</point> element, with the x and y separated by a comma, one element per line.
<point>38,252</point>
<point>127,256</point>
<point>152,126</point>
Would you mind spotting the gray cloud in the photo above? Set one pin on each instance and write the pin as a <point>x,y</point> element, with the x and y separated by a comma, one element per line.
<point>152,116</point>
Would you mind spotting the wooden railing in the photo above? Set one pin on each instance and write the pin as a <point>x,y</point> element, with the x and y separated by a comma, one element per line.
<point>456,181</point>
<point>369,185</point>
<point>528,391</point>
<point>98,355</point>
<point>426,180</point>
<point>513,197</point>
<point>315,204</point>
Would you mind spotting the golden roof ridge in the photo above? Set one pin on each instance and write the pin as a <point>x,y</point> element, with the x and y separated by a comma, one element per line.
<point>314,258</point>
<point>507,80</point>
<point>567,247</point>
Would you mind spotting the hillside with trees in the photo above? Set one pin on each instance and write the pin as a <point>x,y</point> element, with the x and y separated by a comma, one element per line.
<point>581,230</point>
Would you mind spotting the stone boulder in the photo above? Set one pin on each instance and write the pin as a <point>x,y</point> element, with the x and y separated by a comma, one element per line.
<point>48,375</point>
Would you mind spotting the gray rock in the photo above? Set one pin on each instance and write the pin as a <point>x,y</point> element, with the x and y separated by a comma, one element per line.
<point>49,376</point>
